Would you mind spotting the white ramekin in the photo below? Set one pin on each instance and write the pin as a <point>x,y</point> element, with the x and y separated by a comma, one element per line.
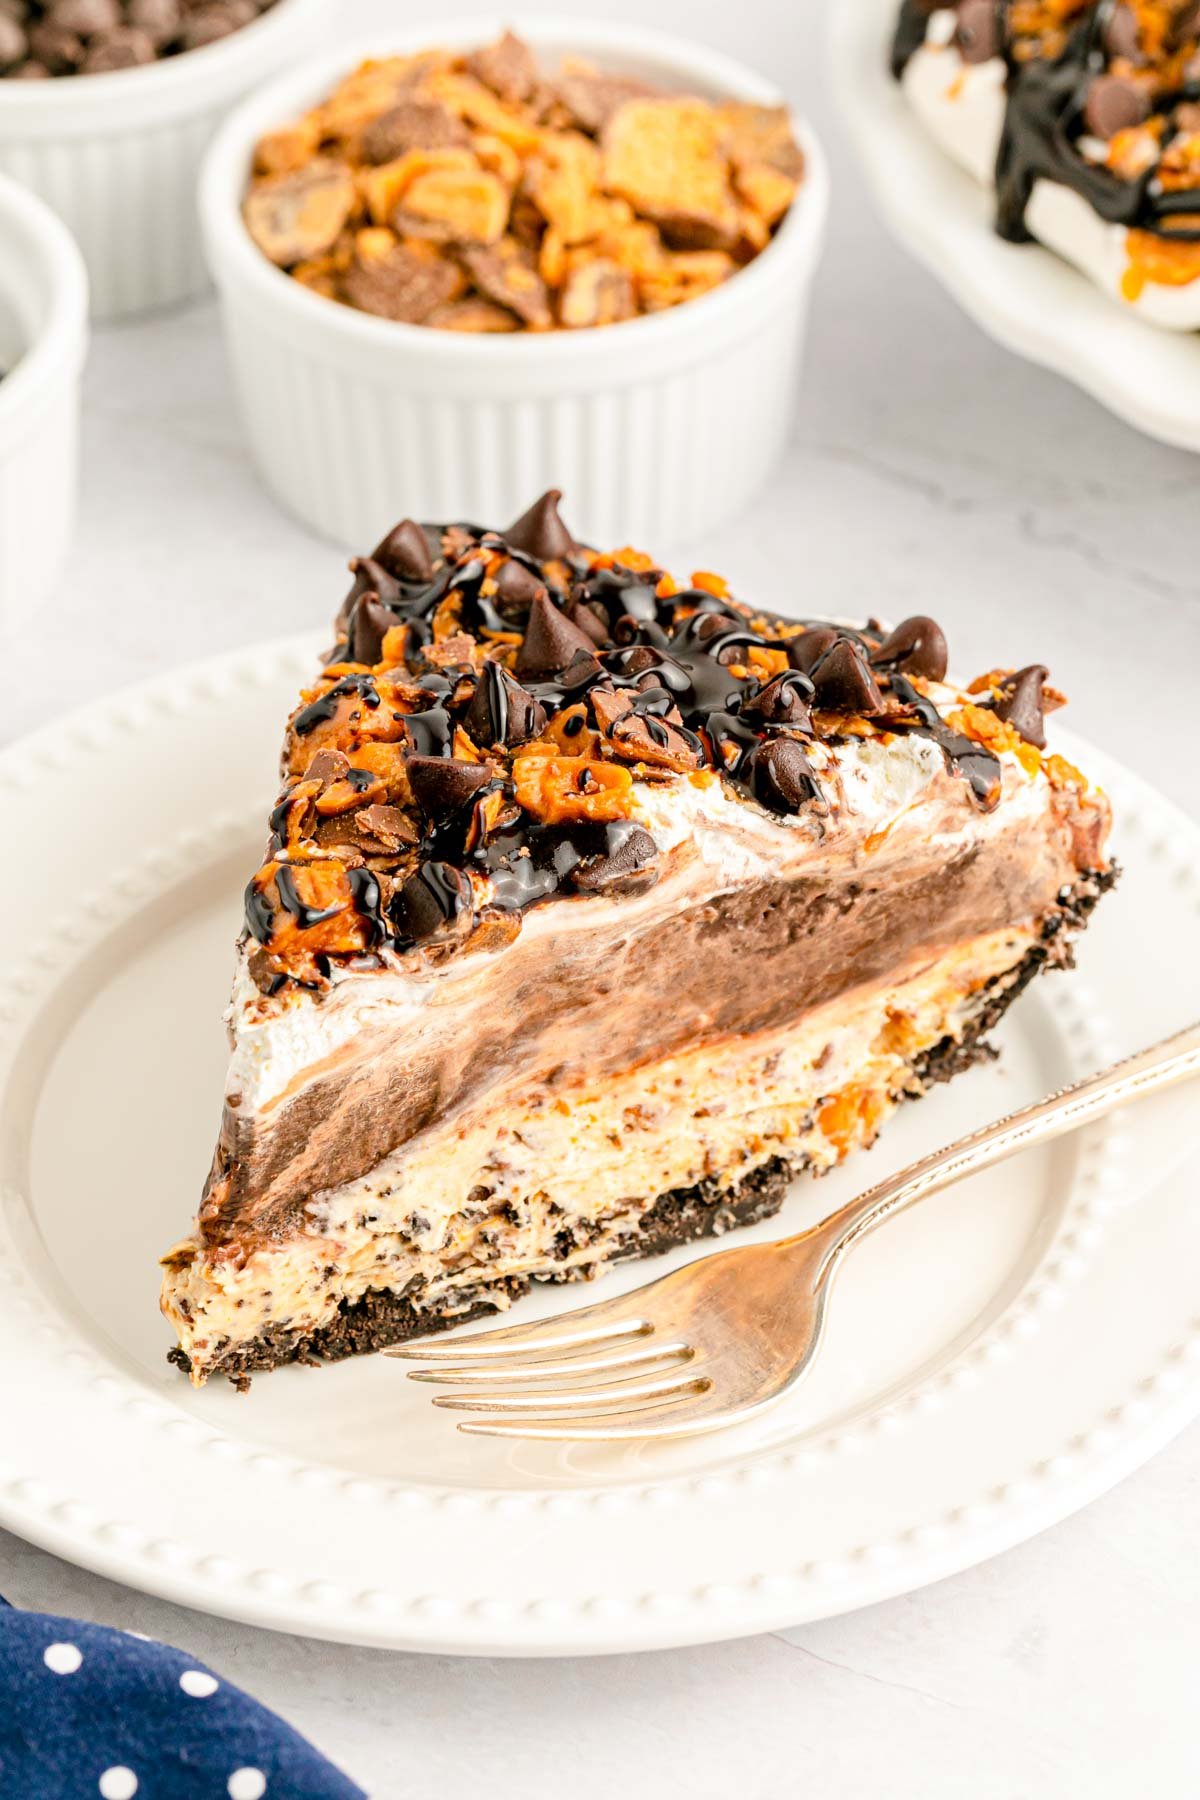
<point>655,429</point>
<point>117,155</point>
<point>43,341</point>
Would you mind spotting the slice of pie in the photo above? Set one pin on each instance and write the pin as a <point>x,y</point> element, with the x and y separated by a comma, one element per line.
<point>596,906</point>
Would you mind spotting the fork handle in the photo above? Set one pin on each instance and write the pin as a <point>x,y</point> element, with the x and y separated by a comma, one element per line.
<point>1175,1059</point>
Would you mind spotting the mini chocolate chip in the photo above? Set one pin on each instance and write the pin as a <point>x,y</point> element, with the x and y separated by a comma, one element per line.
<point>162,20</point>
<point>209,24</point>
<point>810,646</point>
<point>436,896</point>
<point>1114,104</point>
<point>843,682</point>
<point>978,33</point>
<point>370,623</point>
<point>125,48</point>
<point>781,776</point>
<point>501,712</point>
<point>916,647</point>
<point>440,785</point>
<point>60,51</point>
<point>1021,704</point>
<point>783,701</point>
<point>404,553</point>
<point>540,532</point>
<point>13,42</point>
<point>551,642</point>
<point>85,17</point>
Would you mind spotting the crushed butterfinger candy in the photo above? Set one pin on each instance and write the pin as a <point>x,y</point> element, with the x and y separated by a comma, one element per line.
<point>479,192</point>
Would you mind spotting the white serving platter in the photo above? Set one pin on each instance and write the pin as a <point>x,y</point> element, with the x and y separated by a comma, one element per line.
<point>1025,296</point>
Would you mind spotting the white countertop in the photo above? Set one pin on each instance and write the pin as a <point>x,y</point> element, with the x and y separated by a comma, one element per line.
<point>931,472</point>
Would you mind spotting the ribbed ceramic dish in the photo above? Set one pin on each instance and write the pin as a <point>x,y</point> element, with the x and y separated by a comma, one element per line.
<point>658,427</point>
<point>43,341</point>
<point>995,1359</point>
<point>117,155</point>
<point>1024,296</point>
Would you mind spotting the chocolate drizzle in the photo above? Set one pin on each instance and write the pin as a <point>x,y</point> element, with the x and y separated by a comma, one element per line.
<point>487,762</point>
<point>1055,99</point>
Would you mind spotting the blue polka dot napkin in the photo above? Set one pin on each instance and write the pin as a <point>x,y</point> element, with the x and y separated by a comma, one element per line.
<point>87,1713</point>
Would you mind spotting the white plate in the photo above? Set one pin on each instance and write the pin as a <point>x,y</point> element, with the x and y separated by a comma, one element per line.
<point>1024,296</point>
<point>995,1359</point>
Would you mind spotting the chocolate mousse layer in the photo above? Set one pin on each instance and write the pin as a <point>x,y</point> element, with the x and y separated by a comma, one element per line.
<point>614,986</point>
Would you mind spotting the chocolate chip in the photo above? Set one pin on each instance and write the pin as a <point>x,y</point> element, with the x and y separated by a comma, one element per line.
<point>516,588</point>
<point>209,24</point>
<point>501,712</point>
<point>540,532</point>
<point>1114,104</point>
<point>781,776</point>
<point>783,701</point>
<point>85,17</point>
<point>440,785</point>
<point>978,33</point>
<point>369,625</point>
<point>1021,704</point>
<point>125,48</point>
<point>805,651</point>
<point>916,647</point>
<point>843,682</point>
<point>592,620</point>
<point>13,42</point>
<point>551,642</point>
<point>624,866</point>
<point>161,20</point>
<point>370,577</point>
<point>61,51</point>
<point>436,896</point>
<point>1121,34</point>
<point>404,553</point>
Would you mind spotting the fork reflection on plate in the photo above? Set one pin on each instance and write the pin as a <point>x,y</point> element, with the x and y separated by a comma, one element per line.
<point>724,1337</point>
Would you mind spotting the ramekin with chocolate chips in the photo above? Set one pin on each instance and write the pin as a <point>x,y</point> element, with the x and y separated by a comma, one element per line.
<point>598,278</point>
<point>106,108</point>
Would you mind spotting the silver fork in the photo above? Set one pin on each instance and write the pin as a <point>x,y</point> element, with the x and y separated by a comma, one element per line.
<point>719,1340</point>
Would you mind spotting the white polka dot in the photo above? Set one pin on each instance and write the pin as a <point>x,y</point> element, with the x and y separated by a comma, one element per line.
<point>118,1783</point>
<point>199,1685</point>
<point>247,1784</point>
<point>63,1659</point>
